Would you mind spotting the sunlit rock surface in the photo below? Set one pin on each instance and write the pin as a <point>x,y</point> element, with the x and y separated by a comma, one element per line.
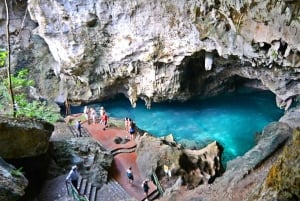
<point>171,162</point>
<point>158,50</point>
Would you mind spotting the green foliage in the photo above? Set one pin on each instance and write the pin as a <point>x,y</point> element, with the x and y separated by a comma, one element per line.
<point>17,172</point>
<point>3,55</point>
<point>25,107</point>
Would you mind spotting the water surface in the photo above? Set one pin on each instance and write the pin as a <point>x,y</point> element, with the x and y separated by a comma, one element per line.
<point>231,119</point>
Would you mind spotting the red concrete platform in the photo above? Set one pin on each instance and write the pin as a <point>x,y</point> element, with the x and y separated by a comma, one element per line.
<point>121,161</point>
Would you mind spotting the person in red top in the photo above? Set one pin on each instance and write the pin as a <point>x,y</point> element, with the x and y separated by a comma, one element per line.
<point>104,120</point>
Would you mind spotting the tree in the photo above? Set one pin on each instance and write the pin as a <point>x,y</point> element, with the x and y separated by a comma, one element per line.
<point>26,105</point>
<point>8,60</point>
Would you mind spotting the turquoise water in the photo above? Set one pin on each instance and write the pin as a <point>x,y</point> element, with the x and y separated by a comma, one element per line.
<point>230,119</point>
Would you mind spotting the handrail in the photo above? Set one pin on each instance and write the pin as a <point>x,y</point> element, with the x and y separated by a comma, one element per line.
<point>72,191</point>
<point>159,187</point>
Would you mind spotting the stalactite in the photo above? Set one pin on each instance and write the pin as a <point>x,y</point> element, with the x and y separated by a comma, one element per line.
<point>208,60</point>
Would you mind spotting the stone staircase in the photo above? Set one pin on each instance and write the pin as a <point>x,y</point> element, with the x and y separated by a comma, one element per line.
<point>84,131</point>
<point>112,191</point>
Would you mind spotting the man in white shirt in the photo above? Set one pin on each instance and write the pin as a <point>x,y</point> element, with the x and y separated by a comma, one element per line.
<point>73,176</point>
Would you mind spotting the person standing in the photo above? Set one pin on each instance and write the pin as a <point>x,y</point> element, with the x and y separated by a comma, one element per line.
<point>104,120</point>
<point>73,176</point>
<point>131,131</point>
<point>102,110</point>
<point>129,175</point>
<point>126,124</point>
<point>94,115</point>
<point>146,188</point>
<point>78,127</point>
<point>86,112</point>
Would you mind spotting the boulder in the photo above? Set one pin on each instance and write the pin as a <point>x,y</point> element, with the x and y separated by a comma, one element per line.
<point>92,160</point>
<point>12,182</point>
<point>291,117</point>
<point>167,159</point>
<point>24,137</point>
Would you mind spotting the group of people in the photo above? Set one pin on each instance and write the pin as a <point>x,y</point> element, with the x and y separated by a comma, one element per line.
<point>145,184</point>
<point>90,113</point>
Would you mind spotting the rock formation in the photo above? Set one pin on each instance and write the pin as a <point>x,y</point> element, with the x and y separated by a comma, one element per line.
<point>156,51</point>
<point>88,50</point>
<point>92,160</point>
<point>283,179</point>
<point>244,174</point>
<point>170,161</point>
<point>20,138</point>
<point>12,182</point>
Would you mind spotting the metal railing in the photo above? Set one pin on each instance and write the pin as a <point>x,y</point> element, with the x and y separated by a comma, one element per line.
<point>74,193</point>
<point>158,185</point>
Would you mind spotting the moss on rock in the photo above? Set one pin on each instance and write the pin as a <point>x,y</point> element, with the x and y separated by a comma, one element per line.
<point>284,176</point>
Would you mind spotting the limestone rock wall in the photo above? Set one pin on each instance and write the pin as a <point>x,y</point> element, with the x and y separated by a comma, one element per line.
<point>283,180</point>
<point>159,50</point>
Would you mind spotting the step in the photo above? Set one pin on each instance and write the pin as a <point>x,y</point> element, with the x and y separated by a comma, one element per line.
<point>154,195</point>
<point>112,191</point>
<point>83,186</point>
<point>93,194</point>
<point>88,189</point>
<point>84,131</point>
<point>79,182</point>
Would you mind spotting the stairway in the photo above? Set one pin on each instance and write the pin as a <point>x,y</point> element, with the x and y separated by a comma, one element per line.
<point>86,188</point>
<point>112,191</point>
<point>74,131</point>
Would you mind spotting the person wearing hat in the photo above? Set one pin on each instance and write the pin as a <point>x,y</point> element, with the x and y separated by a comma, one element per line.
<point>73,176</point>
<point>78,127</point>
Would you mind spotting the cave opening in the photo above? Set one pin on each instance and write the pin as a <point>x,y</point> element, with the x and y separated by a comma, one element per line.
<point>232,118</point>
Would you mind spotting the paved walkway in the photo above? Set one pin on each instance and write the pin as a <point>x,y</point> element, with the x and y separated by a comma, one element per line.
<point>122,160</point>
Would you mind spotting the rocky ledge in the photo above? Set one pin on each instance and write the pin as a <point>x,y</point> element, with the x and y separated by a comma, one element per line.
<point>245,175</point>
<point>20,138</point>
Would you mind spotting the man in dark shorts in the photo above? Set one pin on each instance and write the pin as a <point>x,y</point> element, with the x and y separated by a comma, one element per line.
<point>78,127</point>
<point>131,131</point>
<point>129,175</point>
<point>146,187</point>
